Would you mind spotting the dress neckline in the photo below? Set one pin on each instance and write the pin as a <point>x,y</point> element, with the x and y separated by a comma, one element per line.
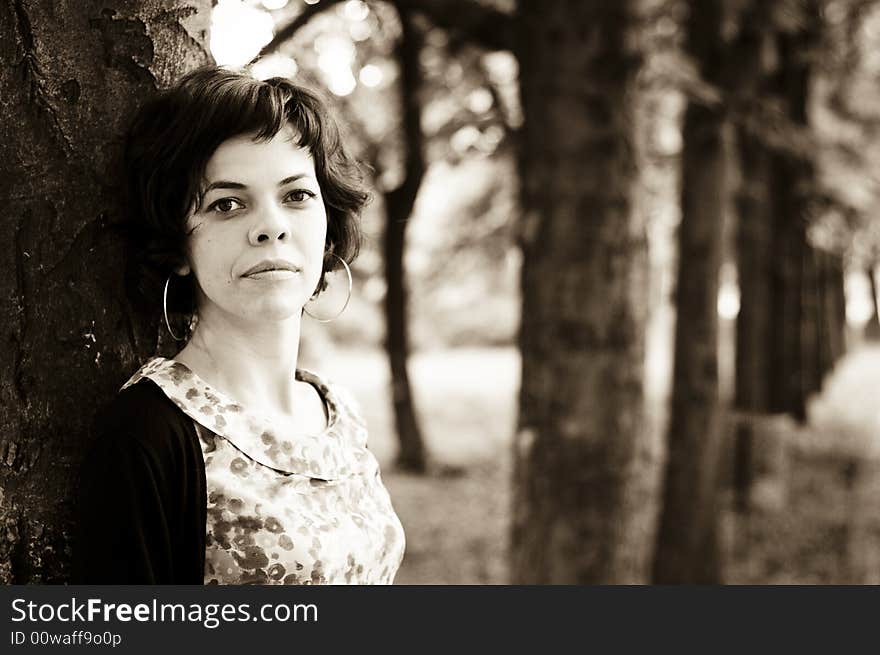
<point>328,403</point>
<point>333,453</point>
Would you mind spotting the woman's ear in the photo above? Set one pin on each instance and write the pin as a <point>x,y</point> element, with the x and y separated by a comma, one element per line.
<point>183,270</point>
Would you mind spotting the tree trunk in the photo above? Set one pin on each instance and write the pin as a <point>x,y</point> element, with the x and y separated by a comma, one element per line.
<point>787,284</point>
<point>399,204</point>
<point>687,546</point>
<point>584,478</point>
<point>755,249</point>
<point>833,310</point>
<point>830,312</point>
<point>872,328</point>
<point>71,74</point>
<point>753,325</point>
<point>794,178</point>
<point>771,368</point>
<point>823,296</point>
<point>811,298</point>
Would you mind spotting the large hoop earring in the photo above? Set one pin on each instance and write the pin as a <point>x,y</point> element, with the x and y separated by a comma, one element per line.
<point>165,310</point>
<point>350,284</point>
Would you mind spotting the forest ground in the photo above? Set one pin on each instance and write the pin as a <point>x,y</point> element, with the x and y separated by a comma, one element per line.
<point>815,516</point>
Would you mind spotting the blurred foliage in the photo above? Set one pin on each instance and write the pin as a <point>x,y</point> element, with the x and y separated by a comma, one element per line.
<point>844,133</point>
<point>846,119</point>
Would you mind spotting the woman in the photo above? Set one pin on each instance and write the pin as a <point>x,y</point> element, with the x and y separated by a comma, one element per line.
<point>227,464</point>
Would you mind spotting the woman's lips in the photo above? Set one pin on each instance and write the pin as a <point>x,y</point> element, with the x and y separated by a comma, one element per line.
<point>273,264</point>
<point>277,274</point>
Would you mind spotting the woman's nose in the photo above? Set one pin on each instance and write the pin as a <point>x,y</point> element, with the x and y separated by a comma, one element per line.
<point>269,226</point>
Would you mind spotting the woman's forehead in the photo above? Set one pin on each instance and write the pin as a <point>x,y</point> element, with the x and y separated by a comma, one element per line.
<point>245,157</point>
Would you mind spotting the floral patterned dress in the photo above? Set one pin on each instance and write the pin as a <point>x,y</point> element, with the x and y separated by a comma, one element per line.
<point>286,508</point>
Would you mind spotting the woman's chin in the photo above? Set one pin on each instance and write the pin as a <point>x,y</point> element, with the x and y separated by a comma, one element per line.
<point>281,310</point>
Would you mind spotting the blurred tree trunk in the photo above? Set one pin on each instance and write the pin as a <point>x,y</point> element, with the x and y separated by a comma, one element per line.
<point>830,311</point>
<point>787,287</point>
<point>826,312</point>
<point>71,74</point>
<point>833,309</point>
<point>810,325</point>
<point>584,478</point>
<point>687,545</point>
<point>399,204</point>
<point>753,325</point>
<point>755,248</point>
<point>872,328</point>
<point>794,180</point>
<point>777,329</point>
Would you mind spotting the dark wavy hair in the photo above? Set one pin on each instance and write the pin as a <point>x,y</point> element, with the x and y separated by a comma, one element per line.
<point>168,146</point>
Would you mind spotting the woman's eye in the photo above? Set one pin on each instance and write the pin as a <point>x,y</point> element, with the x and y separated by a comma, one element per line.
<point>300,195</point>
<point>225,205</point>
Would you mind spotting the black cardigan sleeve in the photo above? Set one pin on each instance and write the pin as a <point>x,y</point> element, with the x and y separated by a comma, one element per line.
<point>142,499</point>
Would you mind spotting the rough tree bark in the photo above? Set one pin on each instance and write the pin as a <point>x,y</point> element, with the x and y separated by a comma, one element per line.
<point>687,543</point>
<point>584,479</point>
<point>70,75</point>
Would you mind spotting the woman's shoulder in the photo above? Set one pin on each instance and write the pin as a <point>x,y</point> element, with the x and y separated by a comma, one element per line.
<point>142,412</point>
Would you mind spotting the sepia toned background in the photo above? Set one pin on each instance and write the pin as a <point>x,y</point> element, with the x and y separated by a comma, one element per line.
<point>615,317</point>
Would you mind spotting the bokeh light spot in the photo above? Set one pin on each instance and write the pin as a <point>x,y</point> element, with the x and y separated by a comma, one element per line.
<point>356,10</point>
<point>238,32</point>
<point>371,75</point>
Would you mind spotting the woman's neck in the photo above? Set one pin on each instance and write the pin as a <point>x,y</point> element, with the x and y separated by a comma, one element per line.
<point>254,364</point>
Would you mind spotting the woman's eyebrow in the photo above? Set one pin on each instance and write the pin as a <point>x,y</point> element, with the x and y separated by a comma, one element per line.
<point>225,184</point>
<point>292,178</point>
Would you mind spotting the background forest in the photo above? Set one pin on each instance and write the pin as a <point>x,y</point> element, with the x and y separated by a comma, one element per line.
<point>615,318</point>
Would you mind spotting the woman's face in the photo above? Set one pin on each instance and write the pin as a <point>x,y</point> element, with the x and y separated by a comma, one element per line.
<point>262,202</point>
